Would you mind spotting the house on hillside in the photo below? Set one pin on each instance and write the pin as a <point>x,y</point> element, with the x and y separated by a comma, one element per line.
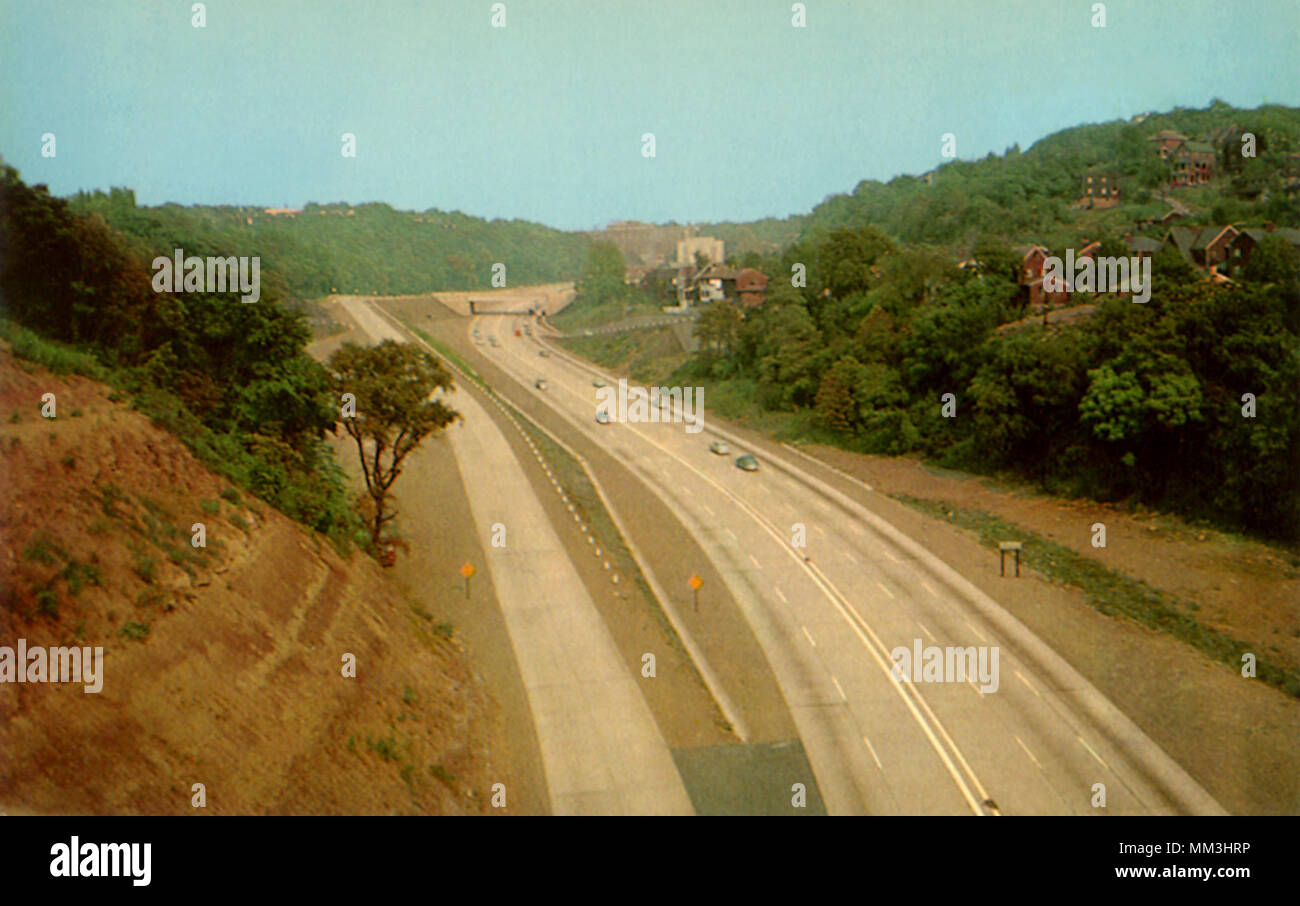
<point>1033,259</point>
<point>1205,248</point>
<point>1243,245</point>
<point>1099,190</point>
<point>751,285</point>
<point>1193,164</point>
<point>1167,142</point>
<point>713,283</point>
<point>1142,246</point>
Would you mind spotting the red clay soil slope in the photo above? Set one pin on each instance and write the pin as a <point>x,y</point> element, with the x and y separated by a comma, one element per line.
<point>222,665</point>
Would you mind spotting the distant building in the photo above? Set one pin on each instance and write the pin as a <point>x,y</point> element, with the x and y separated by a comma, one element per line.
<point>751,287</point>
<point>643,245</point>
<point>1247,239</point>
<point>690,246</point>
<point>1167,142</point>
<point>1205,248</point>
<point>1193,164</point>
<point>714,283</point>
<point>1143,246</point>
<point>1033,259</point>
<point>1099,190</point>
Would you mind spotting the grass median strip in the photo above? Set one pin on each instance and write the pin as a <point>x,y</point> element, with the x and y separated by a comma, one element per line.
<point>1109,591</point>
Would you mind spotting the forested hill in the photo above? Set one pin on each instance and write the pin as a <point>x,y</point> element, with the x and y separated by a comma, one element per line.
<point>1022,196</point>
<point>369,248</point>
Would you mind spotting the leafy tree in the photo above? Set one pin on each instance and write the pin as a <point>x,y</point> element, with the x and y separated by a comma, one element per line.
<point>718,327</point>
<point>392,383</point>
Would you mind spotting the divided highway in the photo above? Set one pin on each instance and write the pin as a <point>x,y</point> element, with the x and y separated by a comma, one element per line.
<point>828,615</point>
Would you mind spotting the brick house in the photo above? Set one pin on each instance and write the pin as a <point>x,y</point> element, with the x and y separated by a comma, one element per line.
<point>1167,142</point>
<point>1032,261</point>
<point>1193,164</point>
<point>751,284</point>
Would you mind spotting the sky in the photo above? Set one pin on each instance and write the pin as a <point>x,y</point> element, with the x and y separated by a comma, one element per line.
<point>543,119</point>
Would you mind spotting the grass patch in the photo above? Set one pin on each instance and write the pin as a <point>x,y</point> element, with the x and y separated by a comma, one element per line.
<point>43,549</point>
<point>446,630</point>
<point>385,747</point>
<point>408,695</point>
<point>442,774</point>
<point>57,357</point>
<point>239,522</point>
<point>136,631</point>
<point>211,507</point>
<point>1110,592</point>
<point>110,495</point>
<point>446,352</point>
<point>47,602</point>
<point>144,567</point>
<point>78,575</point>
<point>231,495</point>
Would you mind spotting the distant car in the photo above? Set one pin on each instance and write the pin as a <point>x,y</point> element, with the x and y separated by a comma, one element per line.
<point>493,341</point>
<point>598,383</point>
<point>479,343</point>
<point>720,447</point>
<point>602,417</point>
<point>540,383</point>
<point>544,353</point>
<point>747,462</point>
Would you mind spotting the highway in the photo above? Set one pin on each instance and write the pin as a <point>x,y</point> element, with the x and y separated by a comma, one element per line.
<point>828,615</point>
<point>602,751</point>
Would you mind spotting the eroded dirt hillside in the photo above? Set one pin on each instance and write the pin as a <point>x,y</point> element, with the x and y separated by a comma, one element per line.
<point>222,665</point>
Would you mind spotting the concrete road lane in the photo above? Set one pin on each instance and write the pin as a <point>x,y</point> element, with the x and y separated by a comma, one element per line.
<point>602,751</point>
<point>829,614</point>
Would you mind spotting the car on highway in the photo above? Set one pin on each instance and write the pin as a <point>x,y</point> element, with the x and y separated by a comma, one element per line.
<point>747,462</point>
<point>544,353</point>
<point>602,417</point>
<point>540,383</point>
<point>493,341</point>
<point>720,447</point>
<point>598,383</point>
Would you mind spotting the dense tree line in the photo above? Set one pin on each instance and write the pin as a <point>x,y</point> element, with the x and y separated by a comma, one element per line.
<point>231,379</point>
<point>1137,402</point>
<point>369,248</point>
<point>1026,196</point>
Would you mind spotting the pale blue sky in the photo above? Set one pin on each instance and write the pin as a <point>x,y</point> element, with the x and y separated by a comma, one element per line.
<point>543,119</point>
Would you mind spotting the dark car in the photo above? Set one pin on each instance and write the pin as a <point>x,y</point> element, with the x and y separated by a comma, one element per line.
<point>747,462</point>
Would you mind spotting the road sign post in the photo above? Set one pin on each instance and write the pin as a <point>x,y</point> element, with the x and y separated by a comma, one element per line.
<point>467,571</point>
<point>1004,548</point>
<point>695,582</point>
